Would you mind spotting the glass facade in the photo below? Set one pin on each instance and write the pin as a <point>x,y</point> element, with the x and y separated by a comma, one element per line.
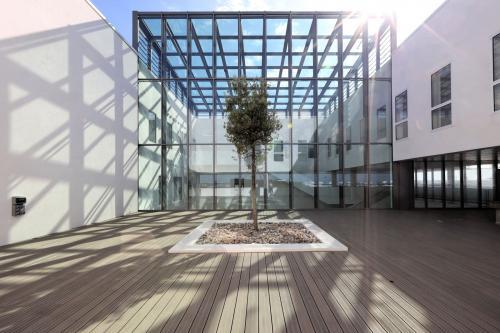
<point>459,180</point>
<point>329,78</point>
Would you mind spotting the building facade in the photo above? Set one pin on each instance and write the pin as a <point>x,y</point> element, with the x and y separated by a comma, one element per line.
<point>329,77</point>
<point>446,95</point>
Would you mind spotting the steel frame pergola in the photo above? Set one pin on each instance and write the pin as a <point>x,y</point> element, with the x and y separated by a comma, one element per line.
<point>200,64</point>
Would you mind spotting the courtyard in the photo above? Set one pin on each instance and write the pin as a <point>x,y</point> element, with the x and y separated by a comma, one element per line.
<point>405,271</point>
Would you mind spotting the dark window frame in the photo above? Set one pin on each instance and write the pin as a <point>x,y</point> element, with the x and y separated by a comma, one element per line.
<point>495,41</point>
<point>443,103</point>
<point>403,124</point>
<point>441,110</point>
<point>496,66</point>
<point>439,77</point>
<point>401,120</point>
<point>397,102</point>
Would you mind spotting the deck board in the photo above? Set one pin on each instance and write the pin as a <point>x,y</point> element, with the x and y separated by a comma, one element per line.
<point>119,277</point>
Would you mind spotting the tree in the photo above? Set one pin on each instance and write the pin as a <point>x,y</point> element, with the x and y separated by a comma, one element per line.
<point>250,125</point>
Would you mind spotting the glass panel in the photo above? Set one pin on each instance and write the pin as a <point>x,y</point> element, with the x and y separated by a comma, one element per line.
<point>176,57</point>
<point>149,112</point>
<point>419,182</point>
<point>379,105</point>
<point>379,48</point>
<point>276,26</point>
<point>355,179</point>
<point>201,188</point>
<point>303,176</point>
<point>149,47</point>
<point>277,99</point>
<point>175,126</point>
<point>227,177</point>
<point>201,48</point>
<point>246,187</point>
<point>175,188</point>
<point>327,48</point>
<point>278,168</point>
<point>470,179</point>
<point>304,122</point>
<point>434,183</point>
<point>401,105</point>
<point>200,108</point>
<point>487,177</point>
<point>441,86</point>
<point>149,177</point>
<point>381,176</point>
<point>496,93</point>
<point>402,130</point>
<point>328,111</point>
<point>354,121</point>
<point>252,26</point>
<point>353,48</point>
<point>496,58</point>
<point>452,180</point>
<point>441,116</point>
<point>221,92</point>
<point>227,27</point>
<point>329,176</point>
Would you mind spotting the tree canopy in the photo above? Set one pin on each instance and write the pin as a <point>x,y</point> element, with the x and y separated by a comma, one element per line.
<point>249,123</point>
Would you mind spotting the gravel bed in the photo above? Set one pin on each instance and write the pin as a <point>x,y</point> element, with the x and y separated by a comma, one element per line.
<point>269,233</point>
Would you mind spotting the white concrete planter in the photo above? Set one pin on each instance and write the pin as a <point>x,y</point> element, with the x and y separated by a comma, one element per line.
<point>188,243</point>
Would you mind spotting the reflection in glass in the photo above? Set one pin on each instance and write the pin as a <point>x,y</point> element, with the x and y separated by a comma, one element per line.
<point>175,186</point>
<point>315,87</point>
<point>487,177</point>
<point>434,183</point>
<point>278,181</point>
<point>227,177</point>
<point>201,111</point>
<point>380,176</point>
<point>354,121</point>
<point>303,176</point>
<point>452,180</point>
<point>304,122</point>
<point>149,112</point>
<point>470,174</point>
<point>201,187</point>
<point>149,177</point>
<point>379,105</point>
<point>355,179</point>
<point>328,112</point>
<point>175,125</point>
<point>419,181</point>
<point>329,177</point>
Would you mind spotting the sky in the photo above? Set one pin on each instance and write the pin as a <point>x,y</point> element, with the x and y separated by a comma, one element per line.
<point>410,13</point>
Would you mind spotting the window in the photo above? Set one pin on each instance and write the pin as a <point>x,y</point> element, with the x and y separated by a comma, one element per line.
<point>441,86</point>
<point>401,106</point>
<point>441,97</point>
<point>496,93</point>
<point>441,116</point>
<point>402,130</point>
<point>496,58</point>
<point>382,122</point>
<point>496,72</point>
<point>401,103</point>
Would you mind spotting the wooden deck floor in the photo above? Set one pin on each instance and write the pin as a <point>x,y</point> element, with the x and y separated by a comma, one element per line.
<point>405,271</point>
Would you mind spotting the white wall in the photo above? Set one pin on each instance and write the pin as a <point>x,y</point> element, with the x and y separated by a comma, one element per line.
<point>458,33</point>
<point>68,118</point>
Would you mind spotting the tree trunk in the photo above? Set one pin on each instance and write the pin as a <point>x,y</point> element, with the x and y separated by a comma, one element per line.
<point>254,191</point>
